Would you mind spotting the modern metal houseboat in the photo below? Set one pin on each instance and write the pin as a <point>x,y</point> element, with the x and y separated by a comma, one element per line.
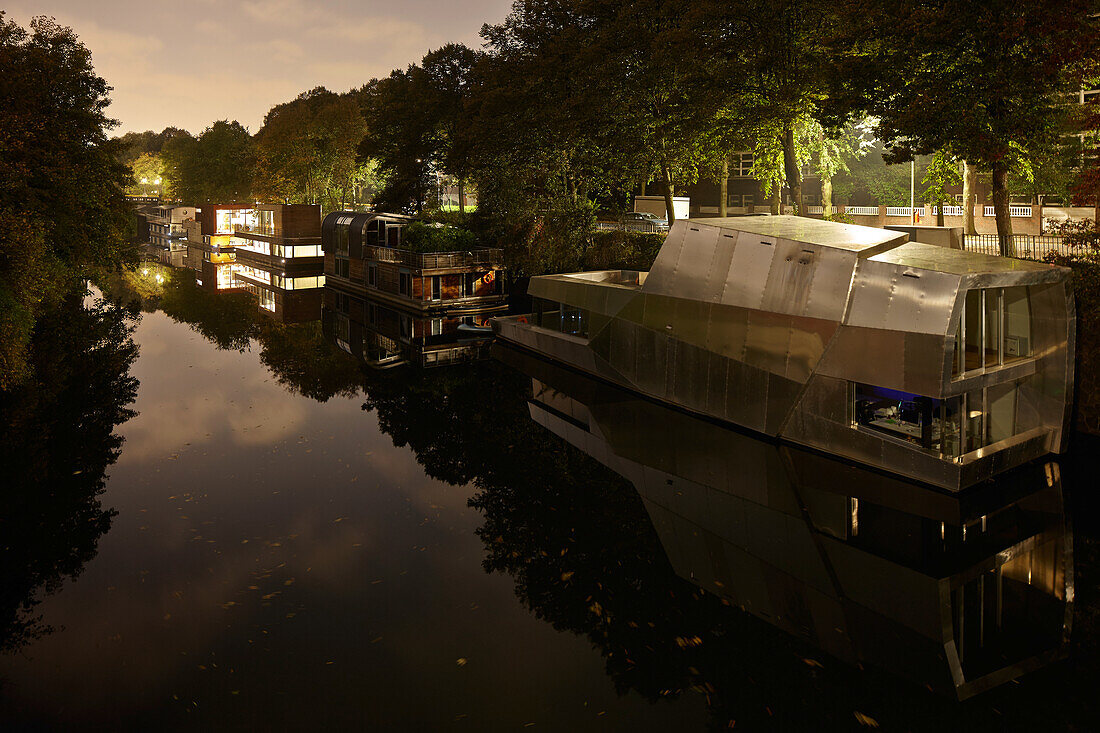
<point>941,365</point>
<point>957,592</point>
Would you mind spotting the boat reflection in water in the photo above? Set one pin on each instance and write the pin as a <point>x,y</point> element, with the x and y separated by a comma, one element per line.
<point>385,337</point>
<point>958,592</point>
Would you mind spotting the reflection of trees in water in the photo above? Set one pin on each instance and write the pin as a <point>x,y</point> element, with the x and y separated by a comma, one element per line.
<point>584,557</point>
<point>298,355</point>
<point>56,441</point>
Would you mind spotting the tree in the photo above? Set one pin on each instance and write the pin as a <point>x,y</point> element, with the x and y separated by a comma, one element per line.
<point>942,173</point>
<point>979,78</point>
<point>150,176</point>
<point>63,212</point>
<point>306,150</point>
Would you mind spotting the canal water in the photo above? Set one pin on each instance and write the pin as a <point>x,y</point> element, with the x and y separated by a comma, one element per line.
<point>269,537</point>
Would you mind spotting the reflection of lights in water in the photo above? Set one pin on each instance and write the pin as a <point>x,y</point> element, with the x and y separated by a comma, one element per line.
<point>943,530</point>
<point>145,271</point>
<point>160,278</point>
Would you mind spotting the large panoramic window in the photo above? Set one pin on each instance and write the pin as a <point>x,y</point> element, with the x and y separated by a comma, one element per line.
<point>930,423</point>
<point>993,330</point>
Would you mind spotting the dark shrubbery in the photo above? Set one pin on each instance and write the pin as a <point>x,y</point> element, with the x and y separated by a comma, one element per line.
<point>422,237</point>
<point>622,250</point>
<point>1086,287</point>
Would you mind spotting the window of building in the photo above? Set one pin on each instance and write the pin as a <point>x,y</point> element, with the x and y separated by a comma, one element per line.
<point>372,232</point>
<point>340,235</point>
<point>404,284</point>
<point>372,275</point>
<point>925,421</point>
<point>343,302</point>
<point>405,326</point>
<point>267,299</point>
<point>343,267</point>
<point>437,287</point>
<point>437,326</point>
<point>994,329</point>
<point>741,165</point>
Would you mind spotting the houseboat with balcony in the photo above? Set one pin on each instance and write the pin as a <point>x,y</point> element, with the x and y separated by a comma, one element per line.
<point>384,337</point>
<point>278,259</point>
<point>941,365</point>
<point>364,258</point>
<point>210,251</point>
<point>956,592</point>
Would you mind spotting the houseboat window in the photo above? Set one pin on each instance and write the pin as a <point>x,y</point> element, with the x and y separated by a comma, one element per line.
<point>393,236</point>
<point>343,303</point>
<point>437,326</point>
<point>372,275</point>
<point>437,287</point>
<point>404,284</point>
<point>372,232</point>
<point>994,329</point>
<point>343,267</point>
<point>340,234</point>
<point>265,222</point>
<point>925,421</point>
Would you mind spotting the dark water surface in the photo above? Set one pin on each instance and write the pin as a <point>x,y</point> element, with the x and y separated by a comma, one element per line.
<point>408,552</point>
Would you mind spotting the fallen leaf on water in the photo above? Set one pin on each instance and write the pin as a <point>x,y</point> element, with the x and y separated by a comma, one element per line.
<point>866,720</point>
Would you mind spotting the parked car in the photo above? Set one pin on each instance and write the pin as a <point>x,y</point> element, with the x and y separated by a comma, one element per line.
<point>643,220</point>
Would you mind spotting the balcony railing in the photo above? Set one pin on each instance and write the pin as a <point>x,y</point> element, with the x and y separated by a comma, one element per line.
<point>435,260</point>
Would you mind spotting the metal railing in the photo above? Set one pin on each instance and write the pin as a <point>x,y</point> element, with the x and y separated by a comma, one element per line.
<point>1026,246</point>
<point>862,210</point>
<point>435,260</point>
<point>948,210</point>
<point>905,211</point>
<point>815,209</point>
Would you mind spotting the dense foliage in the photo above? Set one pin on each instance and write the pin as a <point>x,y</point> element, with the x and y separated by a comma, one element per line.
<point>62,208</point>
<point>423,237</point>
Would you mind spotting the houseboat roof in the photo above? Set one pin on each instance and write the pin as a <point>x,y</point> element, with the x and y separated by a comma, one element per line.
<point>961,262</point>
<point>851,237</point>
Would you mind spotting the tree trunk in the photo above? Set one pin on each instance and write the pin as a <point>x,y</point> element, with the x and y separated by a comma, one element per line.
<point>1039,204</point>
<point>724,189</point>
<point>970,180</point>
<point>774,202</point>
<point>461,196</point>
<point>670,212</point>
<point>790,167</point>
<point>939,214</point>
<point>826,196</point>
<point>1001,209</point>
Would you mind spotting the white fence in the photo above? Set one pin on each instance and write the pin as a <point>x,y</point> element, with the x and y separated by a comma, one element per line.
<point>948,210</point>
<point>1018,211</point>
<point>905,211</point>
<point>862,210</point>
<point>815,209</point>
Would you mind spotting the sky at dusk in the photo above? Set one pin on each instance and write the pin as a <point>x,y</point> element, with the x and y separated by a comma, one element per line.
<point>187,64</point>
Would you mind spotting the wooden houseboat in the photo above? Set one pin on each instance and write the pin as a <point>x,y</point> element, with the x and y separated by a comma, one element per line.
<point>364,258</point>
